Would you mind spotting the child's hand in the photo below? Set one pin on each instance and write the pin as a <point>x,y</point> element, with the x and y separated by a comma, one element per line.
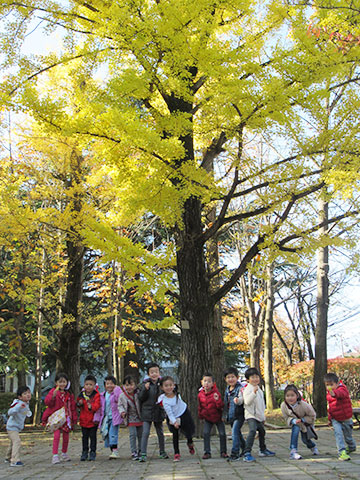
<point>298,420</point>
<point>81,402</point>
<point>123,414</point>
<point>147,385</point>
<point>55,392</point>
<point>23,405</point>
<point>216,396</point>
<point>256,389</point>
<point>177,425</point>
<point>236,400</point>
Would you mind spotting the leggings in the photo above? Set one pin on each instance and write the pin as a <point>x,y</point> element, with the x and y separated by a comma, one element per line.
<point>187,427</point>
<point>56,441</point>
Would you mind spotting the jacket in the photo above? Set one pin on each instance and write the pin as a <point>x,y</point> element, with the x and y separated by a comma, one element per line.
<point>131,406</point>
<point>254,403</point>
<point>17,413</point>
<point>209,408</point>
<point>99,414</point>
<point>339,406</point>
<point>87,416</point>
<point>232,411</point>
<point>303,409</point>
<point>61,399</point>
<point>151,411</point>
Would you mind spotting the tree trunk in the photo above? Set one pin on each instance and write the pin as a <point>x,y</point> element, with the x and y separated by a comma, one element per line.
<point>268,343</point>
<point>320,367</point>
<point>38,367</point>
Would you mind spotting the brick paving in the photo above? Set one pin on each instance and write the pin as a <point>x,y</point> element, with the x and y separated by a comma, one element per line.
<point>36,454</point>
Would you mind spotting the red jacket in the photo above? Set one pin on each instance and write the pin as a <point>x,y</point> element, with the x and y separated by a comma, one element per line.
<point>210,408</point>
<point>60,400</point>
<point>86,415</point>
<point>340,407</point>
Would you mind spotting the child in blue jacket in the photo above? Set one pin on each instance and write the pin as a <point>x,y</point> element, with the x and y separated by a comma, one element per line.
<point>17,413</point>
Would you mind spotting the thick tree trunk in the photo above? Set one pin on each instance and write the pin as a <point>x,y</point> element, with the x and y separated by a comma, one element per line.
<point>268,343</point>
<point>320,367</point>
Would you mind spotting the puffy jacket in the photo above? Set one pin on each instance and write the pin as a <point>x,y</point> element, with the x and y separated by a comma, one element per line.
<point>61,399</point>
<point>233,411</point>
<point>303,410</point>
<point>130,405</point>
<point>151,411</point>
<point>116,417</point>
<point>17,413</point>
<point>86,415</point>
<point>209,407</point>
<point>254,403</point>
<point>339,406</point>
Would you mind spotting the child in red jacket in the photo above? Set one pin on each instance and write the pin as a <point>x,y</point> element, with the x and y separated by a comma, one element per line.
<point>210,408</point>
<point>340,415</point>
<point>89,403</point>
<point>56,399</point>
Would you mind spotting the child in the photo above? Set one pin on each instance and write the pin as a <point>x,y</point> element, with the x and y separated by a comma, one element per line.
<point>234,412</point>
<point>254,414</point>
<point>298,414</point>
<point>108,416</point>
<point>178,415</point>
<point>57,398</point>
<point>210,408</point>
<point>340,415</point>
<point>89,403</point>
<point>129,409</point>
<point>151,411</point>
<point>17,413</point>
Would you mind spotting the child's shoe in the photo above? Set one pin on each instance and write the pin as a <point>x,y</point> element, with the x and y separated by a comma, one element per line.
<point>234,458</point>
<point>315,451</point>
<point>191,448</point>
<point>84,457</point>
<point>92,456</point>
<point>177,457</point>
<point>294,455</point>
<point>266,453</point>
<point>55,459</point>
<point>344,456</point>
<point>224,455</point>
<point>134,456</point>
<point>142,458</point>
<point>65,457</point>
<point>248,458</point>
<point>16,464</point>
<point>163,455</point>
<point>114,453</point>
<point>206,456</point>
<point>350,450</point>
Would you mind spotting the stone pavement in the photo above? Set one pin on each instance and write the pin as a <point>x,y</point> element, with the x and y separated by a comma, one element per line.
<point>36,454</point>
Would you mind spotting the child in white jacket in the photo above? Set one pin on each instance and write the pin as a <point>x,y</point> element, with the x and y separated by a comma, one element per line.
<point>17,413</point>
<point>254,405</point>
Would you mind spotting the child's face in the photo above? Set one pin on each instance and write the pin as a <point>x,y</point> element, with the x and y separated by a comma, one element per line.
<point>207,383</point>
<point>291,397</point>
<point>89,387</point>
<point>331,385</point>
<point>61,383</point>
<point>168,387</point>
<point>109,386</point>
<point>25,396</point>
<point>130,387</point>
<point>154,373</point>
<point>231,379</point>
<point>254,380</point>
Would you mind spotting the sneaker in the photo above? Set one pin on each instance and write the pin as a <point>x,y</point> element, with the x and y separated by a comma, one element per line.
<point>7,460</point>
<point>248,457</point>
<point>177,457</point>
<point>55,459</point>
<point>344,456</point>
<point>65,457</point>
<point>92,456</point>
<point>191,449</point>
<point>350,450</point>
<point>224,455</point>
<point>84,457</point>
<point>315,451</point>
<point>266,453</point>
<point>114,454</point>
<point>16,464</point>
<point>134,456</point>
<point>163,455</point>
<point>233,458</point>
<point>206,456</point>
<point>142,458</point>
<point>294,455</point>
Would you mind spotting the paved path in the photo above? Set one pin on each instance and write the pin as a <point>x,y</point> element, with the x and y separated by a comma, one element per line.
<point>36,454</point>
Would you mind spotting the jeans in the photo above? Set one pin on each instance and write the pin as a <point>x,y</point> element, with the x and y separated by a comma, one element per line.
<point>254,426</point>
<point>146,433</point>
<point>295,429</point>
<point>343,433</point>
<point>207,431</point>
<point>111,440</point>
<point>135,433</point>
<point>89,433</point>
<point>238,440</point>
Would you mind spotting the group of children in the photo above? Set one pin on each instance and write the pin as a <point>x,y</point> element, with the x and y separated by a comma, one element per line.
<point>158,398</point>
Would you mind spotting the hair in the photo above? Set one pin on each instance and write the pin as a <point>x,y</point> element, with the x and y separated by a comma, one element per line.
<point>60,375</point>
<point>110,378</point>
<point>251,371</point>
<point>90,378</point>
<point>292,388</point>
<point>231,371</point>
<point>331,377</point>
<point>21,390</point>
<point>152,365</point>
<point>208,374</point>
<point>129,379</point>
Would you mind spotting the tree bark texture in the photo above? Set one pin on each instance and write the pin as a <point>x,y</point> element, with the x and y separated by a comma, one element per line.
<point>268,343</point>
